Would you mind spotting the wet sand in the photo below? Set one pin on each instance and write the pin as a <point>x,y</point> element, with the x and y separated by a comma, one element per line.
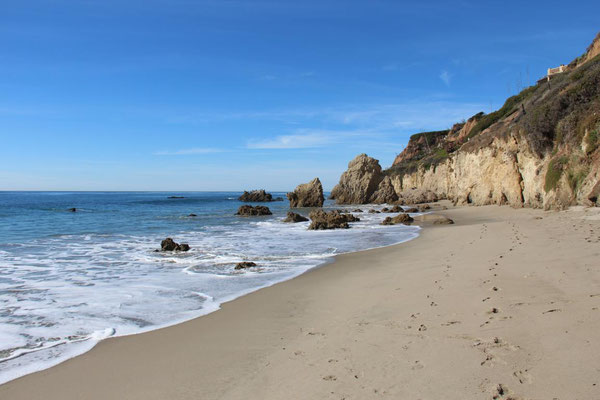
<point>503,304</point>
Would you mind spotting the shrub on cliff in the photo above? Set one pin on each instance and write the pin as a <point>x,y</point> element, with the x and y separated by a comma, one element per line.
<point>554,172</point>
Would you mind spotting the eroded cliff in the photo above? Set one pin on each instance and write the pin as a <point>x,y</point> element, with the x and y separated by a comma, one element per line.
<point>541,149</point>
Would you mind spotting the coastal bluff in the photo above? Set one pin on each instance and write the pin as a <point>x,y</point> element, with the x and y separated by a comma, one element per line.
<point>540,150</point>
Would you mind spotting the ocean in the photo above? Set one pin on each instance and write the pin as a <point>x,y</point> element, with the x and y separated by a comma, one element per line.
<point>71,279</point>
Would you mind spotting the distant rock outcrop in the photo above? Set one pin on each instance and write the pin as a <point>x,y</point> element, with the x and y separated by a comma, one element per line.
<point>294,217</point>
<point>170,245</point>
<point>257,196</point>
<point>330,220</point>
<point>385,192</point>
<point>359,182</point>
<point>307,195</point>
<point>249,211</point>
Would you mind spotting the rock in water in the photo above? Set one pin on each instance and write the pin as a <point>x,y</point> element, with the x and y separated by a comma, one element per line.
<point>411,210</point>
<point>183,247</point>
<point>398,219</point>
<point>170,245</point>
<point>245,265</point>
<point>72,209</point>
<point>307,195</point>
<point>330,220</point>
<point>293,217</point>
<point>249,211</point>
<point>192,215</point>
<point>256,196</point>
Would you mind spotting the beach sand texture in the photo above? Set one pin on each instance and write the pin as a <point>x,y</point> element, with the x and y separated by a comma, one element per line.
<point>503,304</point>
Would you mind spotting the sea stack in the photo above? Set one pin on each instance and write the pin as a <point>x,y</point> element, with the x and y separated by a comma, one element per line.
<point>307,195</point>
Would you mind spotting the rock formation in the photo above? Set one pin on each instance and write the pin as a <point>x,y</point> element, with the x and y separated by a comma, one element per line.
<point>541,149</point>
<point>359,182</point>
<point>435,219</point>
<point>417,196</point>
<point>249,211</point>
<point>257,196</point>
<point>307,195</point>
<point>245,265</point>
<point>294,217</point>
<point>330,220</point>
<point>170,245</point>
<point>398,219</point>
<point>385,193</point>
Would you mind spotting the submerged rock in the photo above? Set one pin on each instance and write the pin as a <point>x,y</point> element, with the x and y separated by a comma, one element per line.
<point>330,220</point>
<point>170,245</point>
<point>245,265</point>
<point>294,217</point>
<point>373,211</point>
<point>250,211</point>
<point>256,196</point>
<point>398,219</point>
<point>307,195</point>
<point>176,197</point>
<point>358,210</point>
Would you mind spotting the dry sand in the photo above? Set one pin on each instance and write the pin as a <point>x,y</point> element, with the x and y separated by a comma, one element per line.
<point>503,297</point>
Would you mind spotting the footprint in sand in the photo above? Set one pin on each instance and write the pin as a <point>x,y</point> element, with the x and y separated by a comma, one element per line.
<point>451,323</point>
<point>522,376</point>
<point>330,378</point>
<point>553,310</point>
<point>417,365</point>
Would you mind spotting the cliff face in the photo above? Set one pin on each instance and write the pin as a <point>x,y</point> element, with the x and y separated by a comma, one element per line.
<point>541,149</point>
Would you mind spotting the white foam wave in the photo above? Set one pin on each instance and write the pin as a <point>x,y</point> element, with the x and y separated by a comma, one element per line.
<point>65,293</point>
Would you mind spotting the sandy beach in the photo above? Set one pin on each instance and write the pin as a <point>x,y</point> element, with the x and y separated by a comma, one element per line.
<point>504,304</point>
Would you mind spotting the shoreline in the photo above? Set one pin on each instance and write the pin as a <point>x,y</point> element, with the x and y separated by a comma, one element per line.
<point>381,323</point>
<point>212,306</point>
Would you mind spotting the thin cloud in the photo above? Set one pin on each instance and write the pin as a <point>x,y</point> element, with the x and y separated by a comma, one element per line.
<point>184,152</point>
<point>304,140</point>
<point>445,77</point>
<point>292,142</point>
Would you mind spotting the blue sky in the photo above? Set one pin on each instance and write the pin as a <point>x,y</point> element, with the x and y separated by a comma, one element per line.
<point>233,95</point>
